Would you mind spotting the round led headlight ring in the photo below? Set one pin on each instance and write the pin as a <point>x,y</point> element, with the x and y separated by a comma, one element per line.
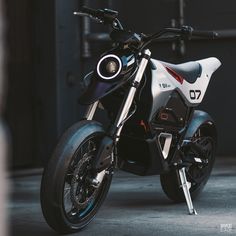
<point>109,66</point>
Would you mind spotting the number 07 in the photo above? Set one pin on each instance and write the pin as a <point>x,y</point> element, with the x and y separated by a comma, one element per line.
<point>195,94</point>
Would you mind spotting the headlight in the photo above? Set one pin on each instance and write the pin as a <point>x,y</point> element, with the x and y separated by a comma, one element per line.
<point>109,66</point>
<point>112,67</point>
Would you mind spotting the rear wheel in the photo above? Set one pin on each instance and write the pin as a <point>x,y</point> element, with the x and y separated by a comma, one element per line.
<point>196,174</point>
<point>69,200</point>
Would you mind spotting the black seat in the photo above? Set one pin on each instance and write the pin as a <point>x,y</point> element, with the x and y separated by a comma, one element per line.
<point>189,71</point>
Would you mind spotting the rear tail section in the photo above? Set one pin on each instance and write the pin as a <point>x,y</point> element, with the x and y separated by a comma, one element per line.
<point>209,66</point>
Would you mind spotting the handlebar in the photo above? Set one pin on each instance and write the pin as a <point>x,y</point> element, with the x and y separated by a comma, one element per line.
<point>188,32</point>
<point>180,33</point>
<point>108,16</point>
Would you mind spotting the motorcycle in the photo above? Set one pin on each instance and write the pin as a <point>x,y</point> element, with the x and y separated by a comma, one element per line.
<point>154,127</point>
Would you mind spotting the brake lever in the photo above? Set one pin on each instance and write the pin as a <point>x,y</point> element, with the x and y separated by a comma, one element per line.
<point>78,13</point>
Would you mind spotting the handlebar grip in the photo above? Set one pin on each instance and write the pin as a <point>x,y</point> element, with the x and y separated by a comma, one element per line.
<point>205,34</point>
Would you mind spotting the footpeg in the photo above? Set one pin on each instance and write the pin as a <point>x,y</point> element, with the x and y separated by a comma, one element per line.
<point>186,186</point>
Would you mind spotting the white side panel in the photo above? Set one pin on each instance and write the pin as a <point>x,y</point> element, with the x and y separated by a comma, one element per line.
<point>162,86</point>
<point>192,93</point>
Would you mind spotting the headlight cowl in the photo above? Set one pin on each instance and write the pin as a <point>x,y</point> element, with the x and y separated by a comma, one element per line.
<point>109,67</point>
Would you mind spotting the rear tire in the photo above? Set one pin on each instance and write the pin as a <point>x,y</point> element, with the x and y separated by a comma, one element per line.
<point>170,182</point>
<point>65,180</point>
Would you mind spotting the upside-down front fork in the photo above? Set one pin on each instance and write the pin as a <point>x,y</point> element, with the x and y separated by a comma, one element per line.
<point>104,156</point>
<point>185,185</point>
<point>89,114</point>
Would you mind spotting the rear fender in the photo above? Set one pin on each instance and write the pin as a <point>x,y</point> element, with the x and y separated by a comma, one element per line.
<point>201,118</point>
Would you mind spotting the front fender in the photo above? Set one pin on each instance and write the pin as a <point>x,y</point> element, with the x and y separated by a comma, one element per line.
<point>201,118</point>
<point>74,137</point>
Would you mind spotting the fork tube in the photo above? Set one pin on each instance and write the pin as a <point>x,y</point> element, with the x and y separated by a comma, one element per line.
<point>130,96</point>
<point>91,111</point>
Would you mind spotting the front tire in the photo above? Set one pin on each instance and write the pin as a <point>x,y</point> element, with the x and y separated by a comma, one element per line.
<point>197,176</point>
<point>68,200</point>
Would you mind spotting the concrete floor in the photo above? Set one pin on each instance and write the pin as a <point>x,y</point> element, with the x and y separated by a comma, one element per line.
<point>137,206</point>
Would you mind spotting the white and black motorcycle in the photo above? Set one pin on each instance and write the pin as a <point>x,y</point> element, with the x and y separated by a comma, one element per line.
<point>154,127</point>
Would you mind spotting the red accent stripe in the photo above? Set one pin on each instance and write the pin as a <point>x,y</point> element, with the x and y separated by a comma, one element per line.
<point>142,123</point>
<point>175,75</point>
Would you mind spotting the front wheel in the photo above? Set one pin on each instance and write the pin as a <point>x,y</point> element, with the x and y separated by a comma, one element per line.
<point>69,201</point>
<point>197,175</point>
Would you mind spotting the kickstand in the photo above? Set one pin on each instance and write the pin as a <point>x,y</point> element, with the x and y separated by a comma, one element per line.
<point>186,186</point>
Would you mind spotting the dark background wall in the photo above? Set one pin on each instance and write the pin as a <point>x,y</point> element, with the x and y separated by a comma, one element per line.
<point>48,55</point>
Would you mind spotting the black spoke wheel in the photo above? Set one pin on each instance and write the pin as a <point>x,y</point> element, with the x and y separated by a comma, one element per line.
<point>69,200</point>
<point>79,196</point>
<point>197,173</point>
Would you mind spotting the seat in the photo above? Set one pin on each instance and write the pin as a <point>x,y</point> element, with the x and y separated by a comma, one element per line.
<point>189,71</point>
